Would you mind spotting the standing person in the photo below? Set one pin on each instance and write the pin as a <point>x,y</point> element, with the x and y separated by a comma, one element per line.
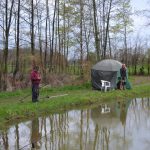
<point>123,75</point>
<point>35,79</point>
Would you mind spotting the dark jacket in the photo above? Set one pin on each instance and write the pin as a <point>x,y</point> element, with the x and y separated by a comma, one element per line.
<point>123,73</point>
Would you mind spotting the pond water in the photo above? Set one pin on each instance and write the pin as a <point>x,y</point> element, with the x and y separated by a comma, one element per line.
<point>116,126</point>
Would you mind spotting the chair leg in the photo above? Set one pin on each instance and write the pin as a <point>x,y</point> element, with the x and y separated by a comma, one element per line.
<point>105,88</point>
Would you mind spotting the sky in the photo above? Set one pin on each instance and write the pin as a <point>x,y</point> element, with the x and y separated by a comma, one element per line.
<point>140,21</point>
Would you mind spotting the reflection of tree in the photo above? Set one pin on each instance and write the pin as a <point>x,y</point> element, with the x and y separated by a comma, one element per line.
<point>102,138</point>
<point>51,118</point>
<point>84,129</point>
<point>35,135</point>
<point>148,102</point>
<point>17,137</point>
<point>123,114</point>
<point>81,130</point>
<point>104,122</point>
<point>5,140</point>
<point>45,130</point>
<point>57,133</point>
<point>87,127</point>
<point>139,111</point>
<point>96,137</point>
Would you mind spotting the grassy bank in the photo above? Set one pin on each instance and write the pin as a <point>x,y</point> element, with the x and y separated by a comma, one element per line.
<point>17,106</point>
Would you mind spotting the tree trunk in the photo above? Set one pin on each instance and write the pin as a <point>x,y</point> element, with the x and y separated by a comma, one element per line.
<point>107,29</point>
<point>18,42</point>
<point>5,52</point>
<point>96,33</point>
<point>81,38</point>
<point>32,28</point>
<point>46,41</point>
<point>64,37</point>
<point>53,30</point>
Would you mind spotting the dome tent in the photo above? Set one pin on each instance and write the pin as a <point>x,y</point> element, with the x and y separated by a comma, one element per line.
<point>105,70</point>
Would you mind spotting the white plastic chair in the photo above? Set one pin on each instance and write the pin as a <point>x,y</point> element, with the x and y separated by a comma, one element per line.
<point>105,109</point>
<point>105,85</point>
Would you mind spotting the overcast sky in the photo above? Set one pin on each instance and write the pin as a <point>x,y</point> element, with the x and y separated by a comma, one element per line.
<point>139,21</point>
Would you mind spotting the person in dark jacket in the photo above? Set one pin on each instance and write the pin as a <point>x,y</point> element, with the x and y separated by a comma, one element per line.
<point>123,74</point>
<point>35,80</point>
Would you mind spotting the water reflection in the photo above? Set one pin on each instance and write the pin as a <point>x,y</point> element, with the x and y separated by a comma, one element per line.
<point>105,121</point>
<point>118,126</point>
<point>35,134</point>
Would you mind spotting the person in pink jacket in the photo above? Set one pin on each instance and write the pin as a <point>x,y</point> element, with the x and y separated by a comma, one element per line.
<point>35,80</point>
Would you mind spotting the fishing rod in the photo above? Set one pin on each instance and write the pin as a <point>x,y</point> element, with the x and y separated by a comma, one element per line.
<point>54,96</point>
<point>33,142</point>
<point>21,100</point>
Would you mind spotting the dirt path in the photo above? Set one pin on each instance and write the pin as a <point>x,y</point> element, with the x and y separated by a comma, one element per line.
<point>137,80</point>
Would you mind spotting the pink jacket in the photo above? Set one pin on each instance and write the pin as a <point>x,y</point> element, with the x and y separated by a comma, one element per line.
<point>35,77</point>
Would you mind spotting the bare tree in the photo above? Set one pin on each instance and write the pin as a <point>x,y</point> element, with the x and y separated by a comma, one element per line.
<point>18,42</point>
<point>39,15</point>
<point>81,38</point>
<point>125,24</point>
<point>96,31</point>
<point>87,24</point>
<point>53,35</point>
<point>107,28</point>
<point>32,28</point>
<point>8,20</point>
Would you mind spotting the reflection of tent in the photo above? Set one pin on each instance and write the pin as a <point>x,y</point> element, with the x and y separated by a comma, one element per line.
<point>108,120</point>
<point>118,113</point>
<point>105,70</point>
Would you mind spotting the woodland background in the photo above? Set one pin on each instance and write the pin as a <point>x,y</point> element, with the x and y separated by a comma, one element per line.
<point>65,38</point>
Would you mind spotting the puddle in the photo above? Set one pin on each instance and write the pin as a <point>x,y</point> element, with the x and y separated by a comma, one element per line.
<point>119,126</point>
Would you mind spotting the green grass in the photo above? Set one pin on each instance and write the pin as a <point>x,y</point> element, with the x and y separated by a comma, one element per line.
<point>14,110</point>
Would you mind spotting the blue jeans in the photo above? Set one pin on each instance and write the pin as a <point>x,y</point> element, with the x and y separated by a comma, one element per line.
<point>35,92</point>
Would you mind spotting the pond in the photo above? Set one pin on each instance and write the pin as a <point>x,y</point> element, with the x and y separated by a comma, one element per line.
<point>116,126</point>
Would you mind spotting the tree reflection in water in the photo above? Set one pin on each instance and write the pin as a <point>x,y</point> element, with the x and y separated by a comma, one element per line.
<point>104,122</point>
<point>88,129</point>
<point>35,135</point>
